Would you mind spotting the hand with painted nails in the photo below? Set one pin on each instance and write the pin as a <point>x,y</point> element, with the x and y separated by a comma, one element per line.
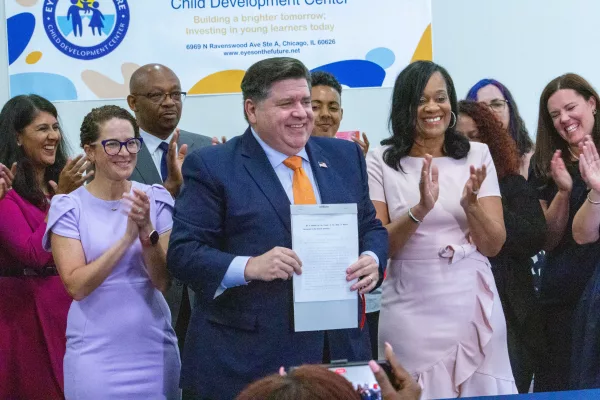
<point>402,386</point>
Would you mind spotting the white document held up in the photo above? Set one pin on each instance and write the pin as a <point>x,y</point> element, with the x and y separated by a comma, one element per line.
<point>325,238</point>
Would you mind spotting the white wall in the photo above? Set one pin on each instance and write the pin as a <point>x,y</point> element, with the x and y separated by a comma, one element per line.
<point>524,44</point>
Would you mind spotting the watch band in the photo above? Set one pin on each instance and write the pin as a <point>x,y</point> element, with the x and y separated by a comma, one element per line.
<point>150,240</point>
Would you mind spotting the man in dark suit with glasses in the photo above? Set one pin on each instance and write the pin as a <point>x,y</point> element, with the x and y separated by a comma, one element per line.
<point>156,98</point>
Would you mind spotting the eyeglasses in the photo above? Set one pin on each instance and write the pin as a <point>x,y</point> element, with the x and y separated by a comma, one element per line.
<point>497,105</point>
<point>159,97</point>
<point>112,147</point>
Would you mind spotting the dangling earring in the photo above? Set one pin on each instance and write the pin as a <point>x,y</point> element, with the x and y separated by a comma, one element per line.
<point>594,111</point>
<point>452,125</point>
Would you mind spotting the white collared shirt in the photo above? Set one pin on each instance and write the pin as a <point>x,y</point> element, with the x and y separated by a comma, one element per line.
<point>151,142</point>
<point>234,276</point>
<point>285,174</point>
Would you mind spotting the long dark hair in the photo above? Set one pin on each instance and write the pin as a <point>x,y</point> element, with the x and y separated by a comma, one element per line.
<point>16,115</point>
<point>408,90</point>
<point>548,140</point>
<point>516,125</point>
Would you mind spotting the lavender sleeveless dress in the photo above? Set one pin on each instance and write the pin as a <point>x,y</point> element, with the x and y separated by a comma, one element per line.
<point>120,343</point>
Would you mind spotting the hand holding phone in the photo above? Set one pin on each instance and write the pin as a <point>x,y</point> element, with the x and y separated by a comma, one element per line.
<point>360,375</point>
<point>399,385</point>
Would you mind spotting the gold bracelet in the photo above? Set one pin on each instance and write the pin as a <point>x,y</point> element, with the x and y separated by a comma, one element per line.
<point>590,200</point>
<point>415,219</point>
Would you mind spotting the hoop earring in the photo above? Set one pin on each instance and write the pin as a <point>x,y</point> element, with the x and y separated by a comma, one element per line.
<point>453,124</point>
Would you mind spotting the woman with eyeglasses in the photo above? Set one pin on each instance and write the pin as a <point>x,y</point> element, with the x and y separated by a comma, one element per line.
<point>33,301</point>
<point>567,115</point>
<point>109,241</point>
<point>525,234</point>
<point>501,102</point>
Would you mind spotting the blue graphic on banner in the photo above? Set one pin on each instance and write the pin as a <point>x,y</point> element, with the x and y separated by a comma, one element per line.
<point>355,73</point>
<point>381,56</point>
<point>51,86</point>
<point>86,29</point>
<point>19,29</point>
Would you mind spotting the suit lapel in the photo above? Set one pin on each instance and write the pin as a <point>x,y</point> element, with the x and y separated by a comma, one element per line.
<point>328,180</point>
<point>146,168</point>
<point>258,166</point>
<point>183,139</point>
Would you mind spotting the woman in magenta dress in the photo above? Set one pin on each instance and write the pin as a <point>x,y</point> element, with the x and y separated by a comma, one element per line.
<point>33,301</point>
<point>438,197</point>
<point>109,241</point>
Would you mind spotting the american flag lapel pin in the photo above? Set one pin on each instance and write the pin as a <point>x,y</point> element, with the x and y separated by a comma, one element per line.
<point>322,164</point>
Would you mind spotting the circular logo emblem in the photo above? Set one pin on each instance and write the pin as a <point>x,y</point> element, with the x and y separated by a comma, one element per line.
<point>86,29</point>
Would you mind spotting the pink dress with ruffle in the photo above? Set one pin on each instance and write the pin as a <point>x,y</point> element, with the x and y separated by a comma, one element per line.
<point>440,308</point>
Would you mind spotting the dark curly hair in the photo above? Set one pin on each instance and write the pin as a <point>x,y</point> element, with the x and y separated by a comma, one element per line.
<point>408,90</point>
<point>308,382</point>
<point>90,127</point>
<point>322,78</point>
<point>16,115</point>
<point>503,148</point>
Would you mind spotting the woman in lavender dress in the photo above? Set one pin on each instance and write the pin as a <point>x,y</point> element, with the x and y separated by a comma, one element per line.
<point>109,241</point>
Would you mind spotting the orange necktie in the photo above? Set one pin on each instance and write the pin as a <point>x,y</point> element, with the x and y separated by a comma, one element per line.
<point>301,186</point>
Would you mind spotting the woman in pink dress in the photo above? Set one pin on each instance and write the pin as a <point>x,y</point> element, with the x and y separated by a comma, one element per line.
<point>33,300</point>
<point>438,197</point>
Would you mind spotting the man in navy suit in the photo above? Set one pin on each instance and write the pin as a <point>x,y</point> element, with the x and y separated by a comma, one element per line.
<point>231,239</point>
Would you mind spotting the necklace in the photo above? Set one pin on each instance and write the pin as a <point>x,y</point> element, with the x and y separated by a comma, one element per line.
<point>576,157</point>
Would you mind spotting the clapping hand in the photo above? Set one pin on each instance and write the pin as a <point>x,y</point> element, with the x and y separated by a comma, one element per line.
<point>215,140</point>
<point>589,164</point>
<point>71,177</point>
<point>559,173</point>
<point>138,213</point>
<point>471,189</point>
<point>429,186</point>
<point>6,178</point>
<point>174,162</point>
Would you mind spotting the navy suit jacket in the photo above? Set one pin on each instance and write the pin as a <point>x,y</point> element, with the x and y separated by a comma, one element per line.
<point>231,204</point>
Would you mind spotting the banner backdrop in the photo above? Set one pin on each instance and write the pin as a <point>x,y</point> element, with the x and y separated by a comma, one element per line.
<point>87,49</point>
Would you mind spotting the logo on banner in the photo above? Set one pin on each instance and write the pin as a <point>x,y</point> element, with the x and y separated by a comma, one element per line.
<point>86,29</point>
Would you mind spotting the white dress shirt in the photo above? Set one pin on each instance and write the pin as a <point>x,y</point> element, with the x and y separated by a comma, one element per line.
<point>235,273</point>
<point>151,142</point>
